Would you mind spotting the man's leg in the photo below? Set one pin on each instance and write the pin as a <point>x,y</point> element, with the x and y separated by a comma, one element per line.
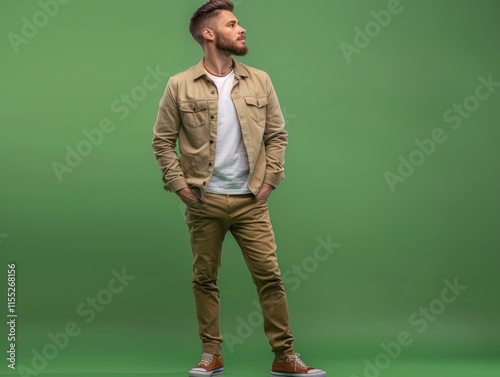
<point>207,226</point>
<point>252,230</point>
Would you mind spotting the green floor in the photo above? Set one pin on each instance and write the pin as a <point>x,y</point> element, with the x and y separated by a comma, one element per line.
<point>342,359</point>
<point>339,368</point>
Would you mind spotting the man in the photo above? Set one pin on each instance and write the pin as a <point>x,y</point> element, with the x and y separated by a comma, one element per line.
<point>230,128</point>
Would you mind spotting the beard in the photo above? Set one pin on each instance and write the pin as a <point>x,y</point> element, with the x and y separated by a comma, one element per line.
<point>228,45</point>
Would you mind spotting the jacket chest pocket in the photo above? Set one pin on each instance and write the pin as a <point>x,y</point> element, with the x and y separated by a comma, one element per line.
<point>257,109</point>
<point>194,113</point>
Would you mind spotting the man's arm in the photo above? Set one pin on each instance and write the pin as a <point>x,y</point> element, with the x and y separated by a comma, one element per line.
<point>275,140</point>
<point>166,131</point>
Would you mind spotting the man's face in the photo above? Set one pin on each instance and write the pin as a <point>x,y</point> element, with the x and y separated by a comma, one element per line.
<point>230,36</point>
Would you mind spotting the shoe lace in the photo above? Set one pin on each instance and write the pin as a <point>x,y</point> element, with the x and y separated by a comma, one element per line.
<point>206,359</point>
<point>297,360</point>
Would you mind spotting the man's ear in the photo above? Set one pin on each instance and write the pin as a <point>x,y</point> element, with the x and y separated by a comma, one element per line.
<point>208,34</point>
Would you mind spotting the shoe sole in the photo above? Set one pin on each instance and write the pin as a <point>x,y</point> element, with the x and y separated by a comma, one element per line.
<point>215,372</point>
<point>283,374</point>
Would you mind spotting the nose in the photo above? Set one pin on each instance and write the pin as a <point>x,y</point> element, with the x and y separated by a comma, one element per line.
<point>242,30</point>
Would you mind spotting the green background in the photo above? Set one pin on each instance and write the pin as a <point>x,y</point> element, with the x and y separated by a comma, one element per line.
<point>348,124</point>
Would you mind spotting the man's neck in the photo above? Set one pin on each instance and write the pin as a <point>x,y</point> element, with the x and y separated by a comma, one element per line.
<point>218,65</point>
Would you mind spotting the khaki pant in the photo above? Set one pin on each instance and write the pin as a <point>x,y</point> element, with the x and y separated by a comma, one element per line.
<point>247,218</point>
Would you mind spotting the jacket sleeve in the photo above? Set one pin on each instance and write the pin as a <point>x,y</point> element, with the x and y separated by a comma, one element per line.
<point>166,131</point>
<point>275,138</point>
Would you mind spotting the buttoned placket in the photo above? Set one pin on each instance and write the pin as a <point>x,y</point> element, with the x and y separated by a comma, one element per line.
<point>213,126</point>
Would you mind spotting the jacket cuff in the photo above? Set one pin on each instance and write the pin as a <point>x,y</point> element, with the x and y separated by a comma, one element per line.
<point>273,179</point>
<point>176,185</point>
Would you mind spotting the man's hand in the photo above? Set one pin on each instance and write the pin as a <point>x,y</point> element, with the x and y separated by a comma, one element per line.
<point>187,196</point>
<point>264,191</point>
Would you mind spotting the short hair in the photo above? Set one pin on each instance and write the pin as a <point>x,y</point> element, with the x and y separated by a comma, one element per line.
<point>205,16</point>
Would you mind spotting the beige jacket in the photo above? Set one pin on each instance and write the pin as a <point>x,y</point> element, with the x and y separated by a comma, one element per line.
<point>188,113</point>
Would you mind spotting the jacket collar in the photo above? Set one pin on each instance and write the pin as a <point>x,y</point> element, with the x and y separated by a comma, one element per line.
<point>239,70</point>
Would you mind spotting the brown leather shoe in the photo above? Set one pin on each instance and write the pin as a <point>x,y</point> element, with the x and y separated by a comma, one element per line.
<point>292,366</point>
<point>210,365</point>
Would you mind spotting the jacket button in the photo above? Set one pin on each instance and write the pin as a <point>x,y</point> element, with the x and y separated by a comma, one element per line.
<point>212,117</point>
<point>211,141</point>
<point>204,183</point>
<point>213,92</point>
<point>209,164</point>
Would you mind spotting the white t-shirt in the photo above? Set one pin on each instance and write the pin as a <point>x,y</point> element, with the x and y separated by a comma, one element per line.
<point>231,169</point>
